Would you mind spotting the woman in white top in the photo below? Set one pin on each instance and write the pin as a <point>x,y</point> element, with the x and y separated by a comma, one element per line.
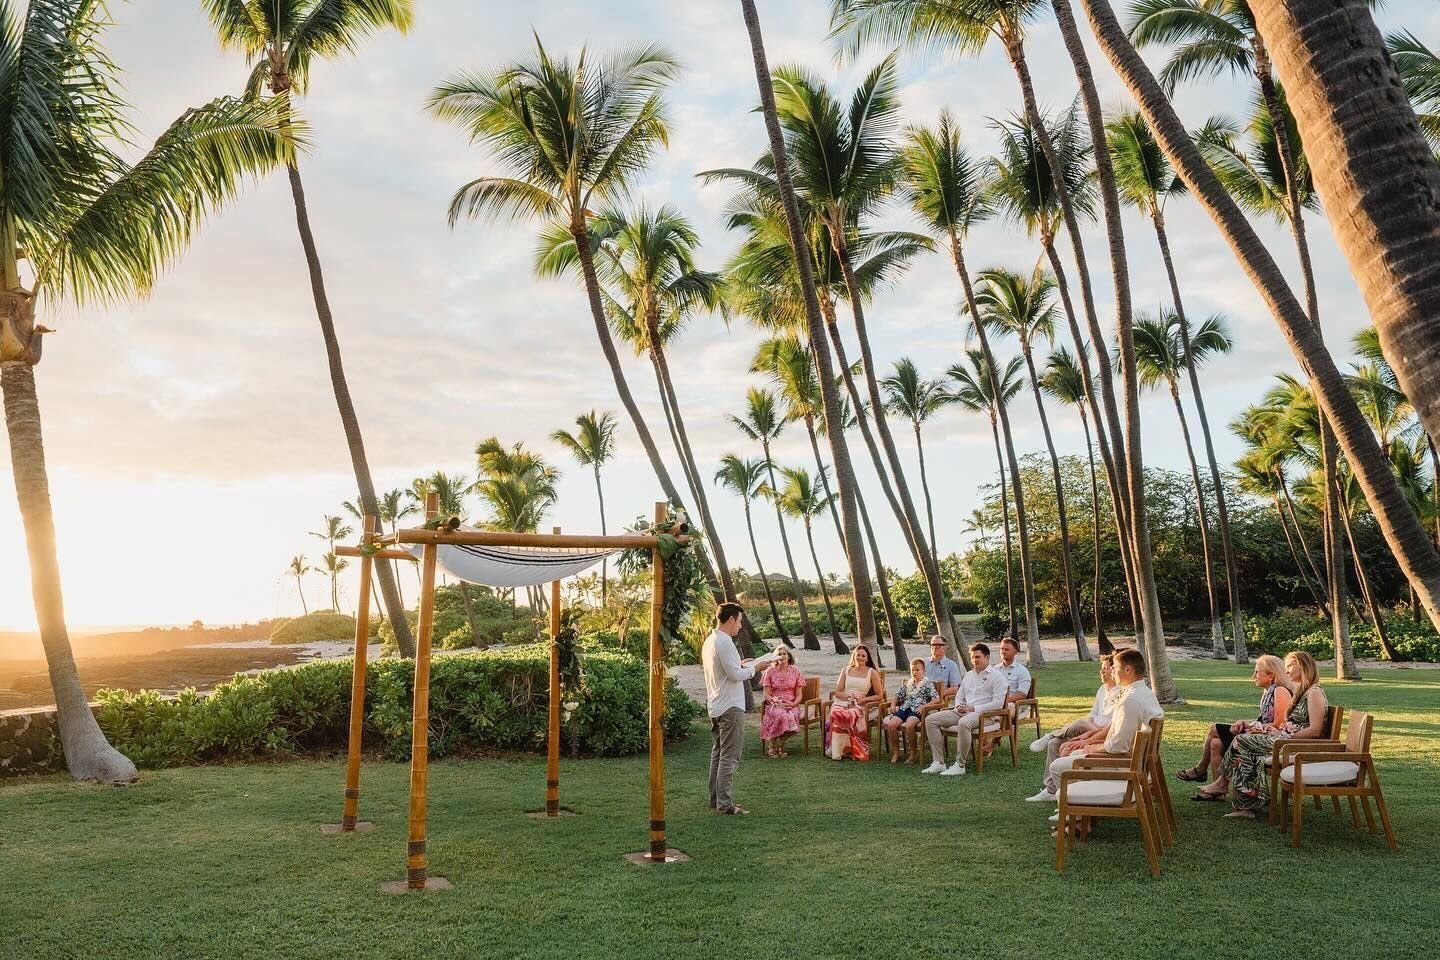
<point>859,684</point>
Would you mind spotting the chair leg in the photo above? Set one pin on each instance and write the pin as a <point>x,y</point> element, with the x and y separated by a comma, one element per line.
<point>1318,803</point>
<point>1062,829</point>
<point>1298,825</point>
<point>806,728</point>
<point>1335,802</point>
<point>1369,817</point>
<point>1014,749</point>
<point>1354,812</point>
<point>1384,813</point>
<point>1275,815</point>
<point>1147,833</point>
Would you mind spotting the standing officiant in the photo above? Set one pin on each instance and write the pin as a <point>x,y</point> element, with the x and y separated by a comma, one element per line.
<point>725,678</point>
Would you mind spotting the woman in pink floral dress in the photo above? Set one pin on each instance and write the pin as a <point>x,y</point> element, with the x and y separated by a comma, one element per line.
<point>781,718</point>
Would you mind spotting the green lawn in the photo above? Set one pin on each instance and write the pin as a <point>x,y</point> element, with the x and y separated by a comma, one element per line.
<point>839,860</point>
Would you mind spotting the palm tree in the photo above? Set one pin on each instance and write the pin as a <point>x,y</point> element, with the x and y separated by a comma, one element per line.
<point>1258,479</point>
<point>94,228</point>
<point>653,289</point>
<point>1146,181</point>
<point>335,528</point>
<point>283,39</point>
<point>450,490</point>
<point>1064,381</point>
<point>815,328</point>
<point>519,487</point>
<point>1012,303</point>
<point>977,391</point>
<point>746,478</point>
<point>945,189</point>
<point>297,569</point>
<point>334,566</point>
<point>1419,68</point>
<point>1162,358</point>
<point>979,525</point>
<point>762,424</point>
<point>845,165</point>
<point>916,399</point>
<point>799,498</point>
<point>592,445</point>
<point>1397,520</point>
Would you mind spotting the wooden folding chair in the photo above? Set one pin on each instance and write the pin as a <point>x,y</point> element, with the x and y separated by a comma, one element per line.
<point>1028,710</point>
<point>995,725</point>
<point>1162,807</point>
<point>1329,740</point>
<point>1089,791</point>
<point>810,713</point>
<point>1348,773</point>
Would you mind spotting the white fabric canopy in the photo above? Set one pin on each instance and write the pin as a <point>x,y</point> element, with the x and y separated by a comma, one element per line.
<point>512,566</point>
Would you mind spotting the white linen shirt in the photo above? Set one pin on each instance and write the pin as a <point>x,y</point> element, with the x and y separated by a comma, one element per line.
<point>981,691</point>
<point>1016,677</point>
<point>1104,708</point>
<point>1134,708</point>
<point>724,676</point>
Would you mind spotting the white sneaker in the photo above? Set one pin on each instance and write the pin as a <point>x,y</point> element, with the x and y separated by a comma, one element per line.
<point>1055,817</point>
<point>1044,796</point>
<point>1038,745</point>
<point>954,770</point>
<point>935,767</point>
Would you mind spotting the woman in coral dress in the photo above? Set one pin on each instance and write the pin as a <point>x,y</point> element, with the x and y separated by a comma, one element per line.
<point>781,717</point>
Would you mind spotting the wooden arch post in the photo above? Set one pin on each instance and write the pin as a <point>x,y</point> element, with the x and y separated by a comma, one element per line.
<point>417,869</point>
<point>659,851</point>
<point>349,819</point>
<point>552,758</point>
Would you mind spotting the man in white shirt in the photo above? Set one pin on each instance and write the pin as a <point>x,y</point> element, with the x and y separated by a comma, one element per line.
<point>1016,676</point>
<point>1134,707</point>
<point>981,689</point>
<point>725,677</point>
<point>940,669</point>
<point>1099,719</point>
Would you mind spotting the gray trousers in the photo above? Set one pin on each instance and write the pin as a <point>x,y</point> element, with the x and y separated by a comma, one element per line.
<point>1071,730</point>
<point>727,736</point>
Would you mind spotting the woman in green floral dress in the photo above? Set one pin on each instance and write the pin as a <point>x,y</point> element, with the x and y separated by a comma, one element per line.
<point>1243,768</point>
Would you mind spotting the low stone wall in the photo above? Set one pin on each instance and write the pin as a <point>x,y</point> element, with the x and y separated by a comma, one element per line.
<point>29,743</point>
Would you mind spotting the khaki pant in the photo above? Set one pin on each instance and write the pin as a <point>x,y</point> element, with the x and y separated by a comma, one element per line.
<point>727,736</point>
<point>1071,730</point>
<point>964,725</point>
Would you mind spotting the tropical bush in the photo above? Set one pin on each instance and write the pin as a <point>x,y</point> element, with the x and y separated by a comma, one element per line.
<point>491,700</point>
<point>318,626</point>
<point>1302,630</point>
<point>495,620</point>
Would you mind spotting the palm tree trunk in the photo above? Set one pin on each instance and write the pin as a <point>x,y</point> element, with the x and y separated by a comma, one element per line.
<point>1407,539</point>
<point>1072,596</point>
<point>929,504</point>
<point>929,566</point>
<point>824,475</point>
<point>691,484</point>
<point>1232,574</point>
<point>1034,652</point>
<point>1100,638</point>
<point>1304,544</point>
<point>300,589</point>
<point>334,589</point>
<point>1129,464</point>
<point>1217,633</point>
<point>88,755</point>
<point>764,579</point>
<point>1005,520</point>
<point>840,646</point>
<point>892,622</point>
<point>1376,620</point>
<point>839,451</point>
<point>807,630</point>
<point>384,572</point>
<point>1299,567</point>
<point>604,562</point>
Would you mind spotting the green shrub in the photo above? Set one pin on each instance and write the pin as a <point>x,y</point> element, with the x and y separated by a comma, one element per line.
<point>1415,642</point>
<point>315,627</point>
<point>993,624</point>
<point>964,605</point>
<point>479,700</point>
<point>1278,633</point>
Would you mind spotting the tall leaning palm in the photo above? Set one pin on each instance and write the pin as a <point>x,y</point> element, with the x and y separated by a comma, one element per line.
<point>815,327</point>
<point>569,136</point>
<point>91,228</point>
<point>746,478</point>
<point>800,498</point>
<point>917,399</point>
<point>762,424</point>
<point>981,390</point>
<point>1147,181</point>
<point>297,568</point>
<point>1065,382</point>
<point>283,39</point>
<point>1162,359</point>
<point>1022,306</point>
<point>592,445</point>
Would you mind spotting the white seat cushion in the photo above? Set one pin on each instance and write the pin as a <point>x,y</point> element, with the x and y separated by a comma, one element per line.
<point>1326,773</point>
<point>1096,793</point>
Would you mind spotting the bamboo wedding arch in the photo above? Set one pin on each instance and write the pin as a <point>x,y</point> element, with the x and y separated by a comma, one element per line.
<point>427,541</point>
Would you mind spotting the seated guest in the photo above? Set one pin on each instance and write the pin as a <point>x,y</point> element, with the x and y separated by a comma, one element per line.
<point>1243,765</point>
<point>780,719</point>
<point>858,684</point>
<point>940,669</point>
<point>1012,671</point>
<point>905,713</point>
<point>1098,719</point>
<point>1134,706</point>
<point>1279,692</point>
<point>981,689</point>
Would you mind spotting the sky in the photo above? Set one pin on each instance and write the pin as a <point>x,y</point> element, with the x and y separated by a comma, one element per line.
<point>192,438</point>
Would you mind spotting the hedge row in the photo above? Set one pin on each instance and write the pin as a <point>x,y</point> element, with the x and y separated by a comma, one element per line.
<point>1298,630</point>
<point>478,700</point>
<point>844,619</point>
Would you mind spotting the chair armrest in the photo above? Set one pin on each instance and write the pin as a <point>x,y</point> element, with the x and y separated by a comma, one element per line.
<point>1319,757</point>
<point>932,706</point>
<point>1070,776</point>
<point>1290,747</point>
<point>1102,763</point>
<point>1027,702</point>
<point>1003,715</point>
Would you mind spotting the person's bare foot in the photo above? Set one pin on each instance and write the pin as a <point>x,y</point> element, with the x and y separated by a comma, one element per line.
<point>895,756</point>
